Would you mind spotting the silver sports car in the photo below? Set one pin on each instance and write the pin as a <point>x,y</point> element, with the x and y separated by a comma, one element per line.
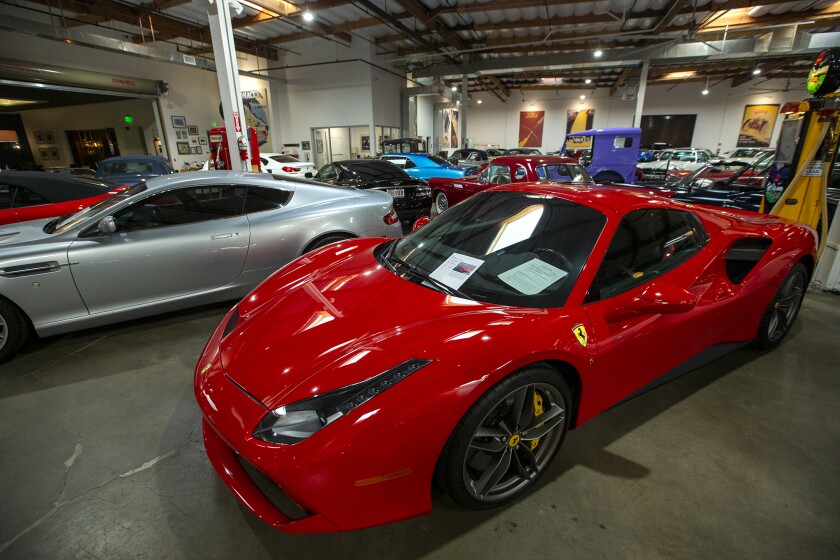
<point>172,242</point>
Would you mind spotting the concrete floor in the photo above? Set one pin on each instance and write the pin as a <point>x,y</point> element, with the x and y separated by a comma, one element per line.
<point>101,457</point>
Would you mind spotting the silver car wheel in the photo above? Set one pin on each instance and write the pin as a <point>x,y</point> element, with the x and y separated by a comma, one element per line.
<point>441,202</point>
<point>4,332</point>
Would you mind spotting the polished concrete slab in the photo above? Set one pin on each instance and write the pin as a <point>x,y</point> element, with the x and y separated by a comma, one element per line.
<point>101,457</point>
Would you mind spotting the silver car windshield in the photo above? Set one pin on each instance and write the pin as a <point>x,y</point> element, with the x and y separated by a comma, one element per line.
<point>82,215</point>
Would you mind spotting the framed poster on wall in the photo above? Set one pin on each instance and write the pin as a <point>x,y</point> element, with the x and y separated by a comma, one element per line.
<point>578,121</point>
<point>757,126</point>
<point>531,129</point>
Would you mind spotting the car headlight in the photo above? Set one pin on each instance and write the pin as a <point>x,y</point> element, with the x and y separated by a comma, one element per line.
<point>297,421</point>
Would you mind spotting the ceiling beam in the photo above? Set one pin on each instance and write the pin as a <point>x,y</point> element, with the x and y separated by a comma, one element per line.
<point>620,80</point>
<point>438,27</point>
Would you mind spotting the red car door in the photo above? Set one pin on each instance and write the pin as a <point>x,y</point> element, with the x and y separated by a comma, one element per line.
<point>643,303</point>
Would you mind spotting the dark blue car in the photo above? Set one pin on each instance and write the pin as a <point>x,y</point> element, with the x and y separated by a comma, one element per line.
<point>133,169</point>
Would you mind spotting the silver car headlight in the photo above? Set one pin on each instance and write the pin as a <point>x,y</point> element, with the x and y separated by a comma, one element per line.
<point>297,421</point>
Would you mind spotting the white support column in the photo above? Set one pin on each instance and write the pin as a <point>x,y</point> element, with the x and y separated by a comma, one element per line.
<point>227,72</point>
<point>465,94</point>
<point>640,95</point>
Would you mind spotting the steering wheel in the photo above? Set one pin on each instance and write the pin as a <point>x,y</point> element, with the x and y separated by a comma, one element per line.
<point>556,256</point>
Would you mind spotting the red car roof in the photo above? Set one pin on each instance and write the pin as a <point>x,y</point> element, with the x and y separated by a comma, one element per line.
<point>538,160</point>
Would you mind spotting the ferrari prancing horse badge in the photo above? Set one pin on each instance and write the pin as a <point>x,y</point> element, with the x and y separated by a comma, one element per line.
<point>580,334</point>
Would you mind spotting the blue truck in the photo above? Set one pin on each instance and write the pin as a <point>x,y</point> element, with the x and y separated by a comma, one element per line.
<point>609,154</point>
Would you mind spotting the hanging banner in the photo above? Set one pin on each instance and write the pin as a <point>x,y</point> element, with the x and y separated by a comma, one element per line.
<point>757,126</point>
<point>449,139</point>
<point>578,121</point>
<point>256,115</point>
<point>531,129</point>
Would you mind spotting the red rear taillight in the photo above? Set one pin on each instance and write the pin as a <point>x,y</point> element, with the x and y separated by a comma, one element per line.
<point>288,169</point>
<point>391,217</point>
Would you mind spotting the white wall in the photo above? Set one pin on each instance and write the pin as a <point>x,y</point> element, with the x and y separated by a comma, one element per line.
<point>425,113</point>
<point>718,114</point>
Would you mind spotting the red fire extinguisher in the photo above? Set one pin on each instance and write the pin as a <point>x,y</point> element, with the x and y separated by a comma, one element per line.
<point>243,148</point>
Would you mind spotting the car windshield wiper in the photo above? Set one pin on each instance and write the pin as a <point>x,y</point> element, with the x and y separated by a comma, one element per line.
<point>391,259</point>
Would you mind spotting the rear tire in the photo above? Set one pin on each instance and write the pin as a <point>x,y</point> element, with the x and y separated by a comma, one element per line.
<point>782,310</point>
<point>14,330</point>
<point>326,240</point>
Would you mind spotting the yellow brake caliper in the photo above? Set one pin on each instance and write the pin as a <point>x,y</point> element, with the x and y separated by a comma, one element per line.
<point>538,410</point>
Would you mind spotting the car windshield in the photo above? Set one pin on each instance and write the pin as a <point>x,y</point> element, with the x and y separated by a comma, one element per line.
<point>82,215</point>
<point>565,172</point>
<point>438,160</point>
<point>508,248</point>
<point>376,170</point>
<point>138,167</point>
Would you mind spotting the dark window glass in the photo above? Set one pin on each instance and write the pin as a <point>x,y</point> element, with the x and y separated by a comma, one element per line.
<point>25,197</point>
<point>261,199</point>
<point>284,159</point>
<point>375,170</point>
<point>562,172</point>
<point>6,193</point>
<point>646,244</point>
<point>438,160</point>
<point>327,173</point>
<point>182,206</point>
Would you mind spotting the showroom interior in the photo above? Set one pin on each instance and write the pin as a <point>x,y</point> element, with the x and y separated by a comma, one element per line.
<point>102,448</point>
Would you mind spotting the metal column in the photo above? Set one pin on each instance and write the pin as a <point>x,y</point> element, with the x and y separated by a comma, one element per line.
<point>465,95</point>
<point>227,72</point>
<point>640,96</point>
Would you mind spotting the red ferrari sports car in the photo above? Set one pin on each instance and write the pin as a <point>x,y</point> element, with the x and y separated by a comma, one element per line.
<point>337,391</point>
<point>504,170</point>
<point>34,195</point>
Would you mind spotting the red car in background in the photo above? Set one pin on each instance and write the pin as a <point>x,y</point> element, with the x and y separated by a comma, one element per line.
<point>35,195</point>
<point>504,170</point>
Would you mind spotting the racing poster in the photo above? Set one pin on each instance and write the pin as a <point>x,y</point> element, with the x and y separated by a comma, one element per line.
<point>531,129</point>
<point>256,116</point>
<point>757,126</point>
<point>577,121</point>
<point>450,129</point>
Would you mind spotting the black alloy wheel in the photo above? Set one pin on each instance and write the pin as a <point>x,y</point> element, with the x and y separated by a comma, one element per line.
<point>507,439</point>
<point>783,308</point>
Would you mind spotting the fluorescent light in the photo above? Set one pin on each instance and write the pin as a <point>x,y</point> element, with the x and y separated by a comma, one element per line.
<point>678,75</point>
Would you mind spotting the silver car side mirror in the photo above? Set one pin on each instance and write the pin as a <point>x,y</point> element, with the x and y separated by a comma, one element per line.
<point>107,225</point>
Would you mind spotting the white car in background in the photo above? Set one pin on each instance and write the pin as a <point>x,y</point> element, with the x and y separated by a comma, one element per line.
<point>281,164</point>
<point>675,159</point>
<point>749,155</point>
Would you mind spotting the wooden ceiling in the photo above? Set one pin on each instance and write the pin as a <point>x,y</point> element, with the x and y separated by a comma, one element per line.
<point>422,35</point>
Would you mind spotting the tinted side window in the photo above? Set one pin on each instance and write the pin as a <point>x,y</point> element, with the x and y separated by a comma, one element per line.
<point>6,193</point>
<point>328,172</point>
<point>499,174</point>
<point>409,164</point>
<point>646,244</point>
<point>261,199</point>
<point>25,197</point>
<point>182,206</point>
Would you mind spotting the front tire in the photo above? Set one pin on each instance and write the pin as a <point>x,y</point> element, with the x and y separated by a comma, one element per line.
<point>441,202</point>
<point>783,308</point>
<point>14,330</point>
<point>507,439</point>
<point>326,240</point>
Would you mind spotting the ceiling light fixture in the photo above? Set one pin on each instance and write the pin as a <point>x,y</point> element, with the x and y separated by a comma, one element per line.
<point>308,15</point>
<point>479,101</point>
<point>582,97</point>
<point>454,88</point>
<point>588,80</point>
<point>757,71</point>
<point>706,89</point>
<point>598,54</point>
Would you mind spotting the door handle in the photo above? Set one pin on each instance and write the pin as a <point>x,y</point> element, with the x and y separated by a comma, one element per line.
<point>222,236</point>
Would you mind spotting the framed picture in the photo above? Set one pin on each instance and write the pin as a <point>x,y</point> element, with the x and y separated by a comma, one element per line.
<point>39,137</point>
<point>366,142</point>
<point>319,145</point>
<point>48,137</point>
<point>202,140</point>
<point>305,145</point>
<point>198,150</point>
<point>179,122</point>
<point>183,148</point>
<point>54,154</point>
<point>45,153</point>
<point>193,130</point>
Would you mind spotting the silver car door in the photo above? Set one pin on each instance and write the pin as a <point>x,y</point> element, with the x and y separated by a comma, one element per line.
<point>168,245</point>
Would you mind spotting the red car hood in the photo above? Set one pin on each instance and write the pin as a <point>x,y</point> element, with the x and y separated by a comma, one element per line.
<point>337,317</point>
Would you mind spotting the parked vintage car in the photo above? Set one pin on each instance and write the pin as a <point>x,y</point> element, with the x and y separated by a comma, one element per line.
<point>412,197</point>
<point>610,155</point>
<point>285,165</point>
<point>469,157</point>
<point>133,169</point>
<point>425,166</point>
<point>674,159</point>
<point>170,243</point>
<point>34,195</point>
<point>349,381</point>
<point>504,170</point>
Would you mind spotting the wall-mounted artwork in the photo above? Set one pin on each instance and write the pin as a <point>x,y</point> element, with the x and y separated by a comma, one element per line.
<point>45,153</point>
<point>183,148</point>
<point>366,142</point>
<point>757,126</point>
<point>256,115</point>
<point>449,138</point>
<point>179,122</point>
<point>578,121</point>
<point>319,146</point>
<point>39,137</point>
<point>193,130</point>
<point>202,140</point>
<point>531,129</point>
<point>305,145</point>
<point>54,153</point>
<point>48,137</point>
